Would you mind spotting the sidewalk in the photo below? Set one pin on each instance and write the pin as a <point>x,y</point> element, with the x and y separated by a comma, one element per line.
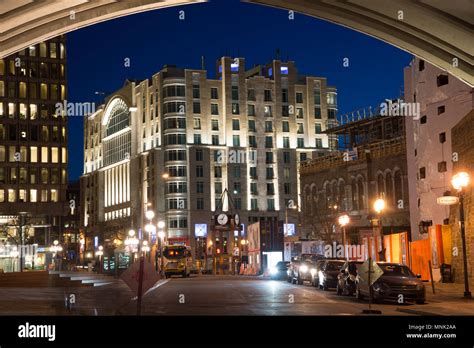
<point>447,300</point>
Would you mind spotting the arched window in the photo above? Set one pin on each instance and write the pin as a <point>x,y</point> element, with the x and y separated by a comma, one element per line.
<point>360,194</point>
<point>398,179</point>
<point>355,205</point>
<point>380,186</point>
<point>117,117</point>
<point>389,187</point>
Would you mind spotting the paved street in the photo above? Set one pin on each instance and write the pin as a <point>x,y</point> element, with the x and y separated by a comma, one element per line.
<point>214,295</point>
<point>229,295</point>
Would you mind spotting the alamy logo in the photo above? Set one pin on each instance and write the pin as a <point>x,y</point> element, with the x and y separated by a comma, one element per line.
<point>352,251</point>
<point>37,331</point>
<point>74,109</point>
<point>400,108</point>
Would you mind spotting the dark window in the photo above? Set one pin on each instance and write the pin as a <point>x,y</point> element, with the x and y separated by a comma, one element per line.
<point>284,96</point>
<point>268,142</point>
<point>268,95</point>
<point>268,126</point>
<point>442,80</point>
<point>442,167</point>
<point>251,94</point>
<point>317,112</point>
<point>421,65</point>
<point>422,173</point>
<point>235,109</point>
<point>286,157</point>
<point>199,155</point>
<point>287,188</point>
<point>285,111</point>
<point>215,125</point>
<point>196,108</point>
<point>218,172</point>
<point>441,109</point>
<point>268,157</point>
<point>235,93</point>
<point>442,137</point>
<point>196,92</point>
<point>299,97</point>
<point>423,119</point>
<point>214,93</point>
<point>285,126</point>
<point>200,204</point>
<point>252,126</point>
<point>199,171</point>
<point>235,125</point>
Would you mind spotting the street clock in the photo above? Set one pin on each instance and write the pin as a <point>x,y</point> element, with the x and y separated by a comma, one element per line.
<point>237,219</point>
<point>222,219</point>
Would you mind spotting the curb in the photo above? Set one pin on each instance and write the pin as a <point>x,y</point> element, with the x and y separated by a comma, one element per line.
<point>418,312</point>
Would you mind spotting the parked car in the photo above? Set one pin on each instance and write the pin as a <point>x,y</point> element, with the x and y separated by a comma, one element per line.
<point>315,272</point>
<point>346,279</point>
<point>397,279</point>
<point>299,269</point>
<point>279,271</point>
<point>327,274</point>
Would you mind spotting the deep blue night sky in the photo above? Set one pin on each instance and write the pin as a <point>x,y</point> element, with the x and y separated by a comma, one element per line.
<point>96,54</point>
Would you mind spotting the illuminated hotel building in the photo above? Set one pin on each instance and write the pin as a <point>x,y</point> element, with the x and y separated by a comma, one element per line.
<point>33,144</point>
<point>245,131</point>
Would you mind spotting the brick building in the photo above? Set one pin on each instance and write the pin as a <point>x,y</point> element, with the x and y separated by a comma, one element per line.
<point>462,140</point>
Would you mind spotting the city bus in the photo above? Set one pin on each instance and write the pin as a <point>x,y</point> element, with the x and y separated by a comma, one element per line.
<point>177,260</point>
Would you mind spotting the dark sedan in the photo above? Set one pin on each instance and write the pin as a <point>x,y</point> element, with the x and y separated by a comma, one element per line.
<point>396,283</point>
<point>328,273</point>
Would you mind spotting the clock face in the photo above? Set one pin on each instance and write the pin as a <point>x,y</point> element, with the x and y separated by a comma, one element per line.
<point>222,219</point>
<point>237,219</point>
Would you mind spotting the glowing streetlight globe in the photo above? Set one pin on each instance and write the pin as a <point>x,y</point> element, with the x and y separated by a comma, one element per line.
<point>460,180</point>
<point>379,205</point>
<point>150,214</point>
<point>131,233</point>
<point>161,224</point>
<point>161,235</point>
<point>344,220</point>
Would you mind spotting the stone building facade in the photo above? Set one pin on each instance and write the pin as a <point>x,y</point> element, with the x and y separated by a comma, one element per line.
<point>349,181</point>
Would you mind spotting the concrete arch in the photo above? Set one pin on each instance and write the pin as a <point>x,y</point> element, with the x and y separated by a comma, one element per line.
<point>24,23</point>
<point>440,32</point>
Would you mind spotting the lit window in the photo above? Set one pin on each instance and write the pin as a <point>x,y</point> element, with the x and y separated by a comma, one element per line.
<point>11,195</point>
<point>44,91</point>
<point>54,155</point>
<point>54,196</point>
<point>44,154</point>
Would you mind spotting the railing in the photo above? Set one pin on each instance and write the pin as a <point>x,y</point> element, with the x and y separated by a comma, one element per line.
<point>375,150</point>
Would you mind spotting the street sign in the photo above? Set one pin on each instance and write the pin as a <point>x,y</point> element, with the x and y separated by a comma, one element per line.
<point>131,277</point>
<point>376,272</point>
<point>236,251</point>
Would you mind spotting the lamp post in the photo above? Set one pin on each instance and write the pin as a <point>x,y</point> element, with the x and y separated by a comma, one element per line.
<point>100,253</point>
<point>379,206</point>
<point>460,181</point>
<point>343,221</point>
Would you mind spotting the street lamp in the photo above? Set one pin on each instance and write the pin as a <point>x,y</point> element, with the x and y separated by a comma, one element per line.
<point>379,206</point>
<point>343,221</point>
<point>150,214</point>
<point>460,181</point>
<point>100,252</point>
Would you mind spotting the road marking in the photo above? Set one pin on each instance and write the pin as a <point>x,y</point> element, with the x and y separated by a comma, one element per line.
<point>157,285</point>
